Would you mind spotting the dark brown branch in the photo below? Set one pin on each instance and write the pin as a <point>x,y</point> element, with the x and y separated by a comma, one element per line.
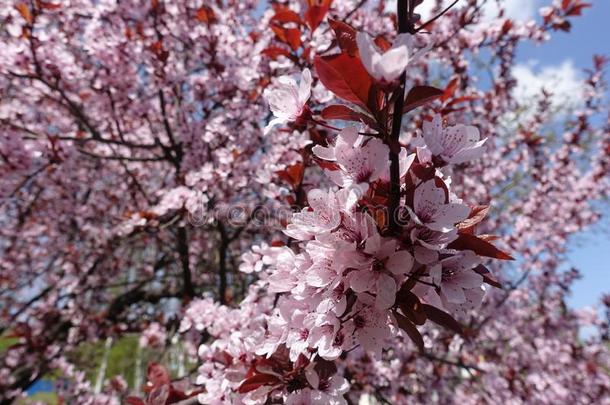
<point>183,251</point>
<point>405,25</point>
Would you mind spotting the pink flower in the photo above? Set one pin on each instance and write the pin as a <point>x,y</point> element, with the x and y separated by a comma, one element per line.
<point>361,160</point>
<point>388,66</point>
<point>287,100</point>
<point>455,276</point>
<point>328,390</point>
<point>381,271</point>
<point>456,144</point>
<point>431,209</point>
<point>322,217</point>
<point>370,325</point>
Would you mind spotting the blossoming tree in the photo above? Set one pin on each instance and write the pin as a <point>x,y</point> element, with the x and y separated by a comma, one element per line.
<point>319,201</point>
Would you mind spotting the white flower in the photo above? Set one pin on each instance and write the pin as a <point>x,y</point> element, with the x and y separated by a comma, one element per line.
<point>388,66</point>
<point>287,99</point>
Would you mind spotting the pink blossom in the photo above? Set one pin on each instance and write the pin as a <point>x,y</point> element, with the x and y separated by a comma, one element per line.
<point>287,100</point>
<point>453,144</point>
<point>388,66</point>
<point>361,159</point>
<point>455,277</point>
<point>432,210</point>
<point>381,270</point>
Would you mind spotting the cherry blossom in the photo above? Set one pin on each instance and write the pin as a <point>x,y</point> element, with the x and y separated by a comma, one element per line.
<point>432,210</point>
<point>387,66</point>
<point>453,144</point>
<point>288,100</point>
<point>361,160</point>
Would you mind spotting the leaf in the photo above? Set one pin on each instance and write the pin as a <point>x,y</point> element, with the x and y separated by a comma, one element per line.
<point>274,52</point>
<point>342,112</point>
<point>442,318</point>
<point>286,16</point>
<point>345,76</point>
<point>290,36</point>
<point>411,331</point>
<point>25,12</point>
<point>577,9</point>
<point>315,14</point>
<point>488,276</point>
<point>411,307</point>
<point>345,35</point>
<point>205,14</point>
<point>134,401</point>
<point>481,247</point>
<point>450,89</point>
<point>477,214</point>
<point>256,381</point>
<point>293,175</point>
<point>420,95</point>
<point>49,6</point>
<point>157,375</point>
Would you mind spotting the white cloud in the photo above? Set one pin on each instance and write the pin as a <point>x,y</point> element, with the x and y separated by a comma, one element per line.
<point>563,81</point>
<point>515,9</point>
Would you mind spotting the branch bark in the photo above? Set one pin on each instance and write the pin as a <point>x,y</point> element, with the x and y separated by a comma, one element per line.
<point>404,16</point>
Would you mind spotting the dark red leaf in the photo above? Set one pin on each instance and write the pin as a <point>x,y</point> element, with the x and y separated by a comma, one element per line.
<point>577,9</point>
<point>157,375</point>
<point>442,318</point>
<point>205,14</point>
<point>256,381</point>
<point>477,214</point>
<point>488,276</point>
<point>290,36</point>
<point>420,95</point>
<point>382,43</point>
<point>480,246</point>
<point>315,14</point>
<point>345,76</point>
<point>49,6</point>
<point>411,331</point>
<point>411,307</point>
<point>342,112</point>
<point>346,36</point>
<point>506,27</point>
<point>461,100</point>
<point>293,175</point>
<point>450,89</point>
<point>275,51</point>
<point>286,16</point>
<point>134,401</point>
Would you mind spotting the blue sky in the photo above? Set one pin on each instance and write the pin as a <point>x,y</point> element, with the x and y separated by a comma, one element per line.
<point>590,250</point>
<point>557,65</point>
